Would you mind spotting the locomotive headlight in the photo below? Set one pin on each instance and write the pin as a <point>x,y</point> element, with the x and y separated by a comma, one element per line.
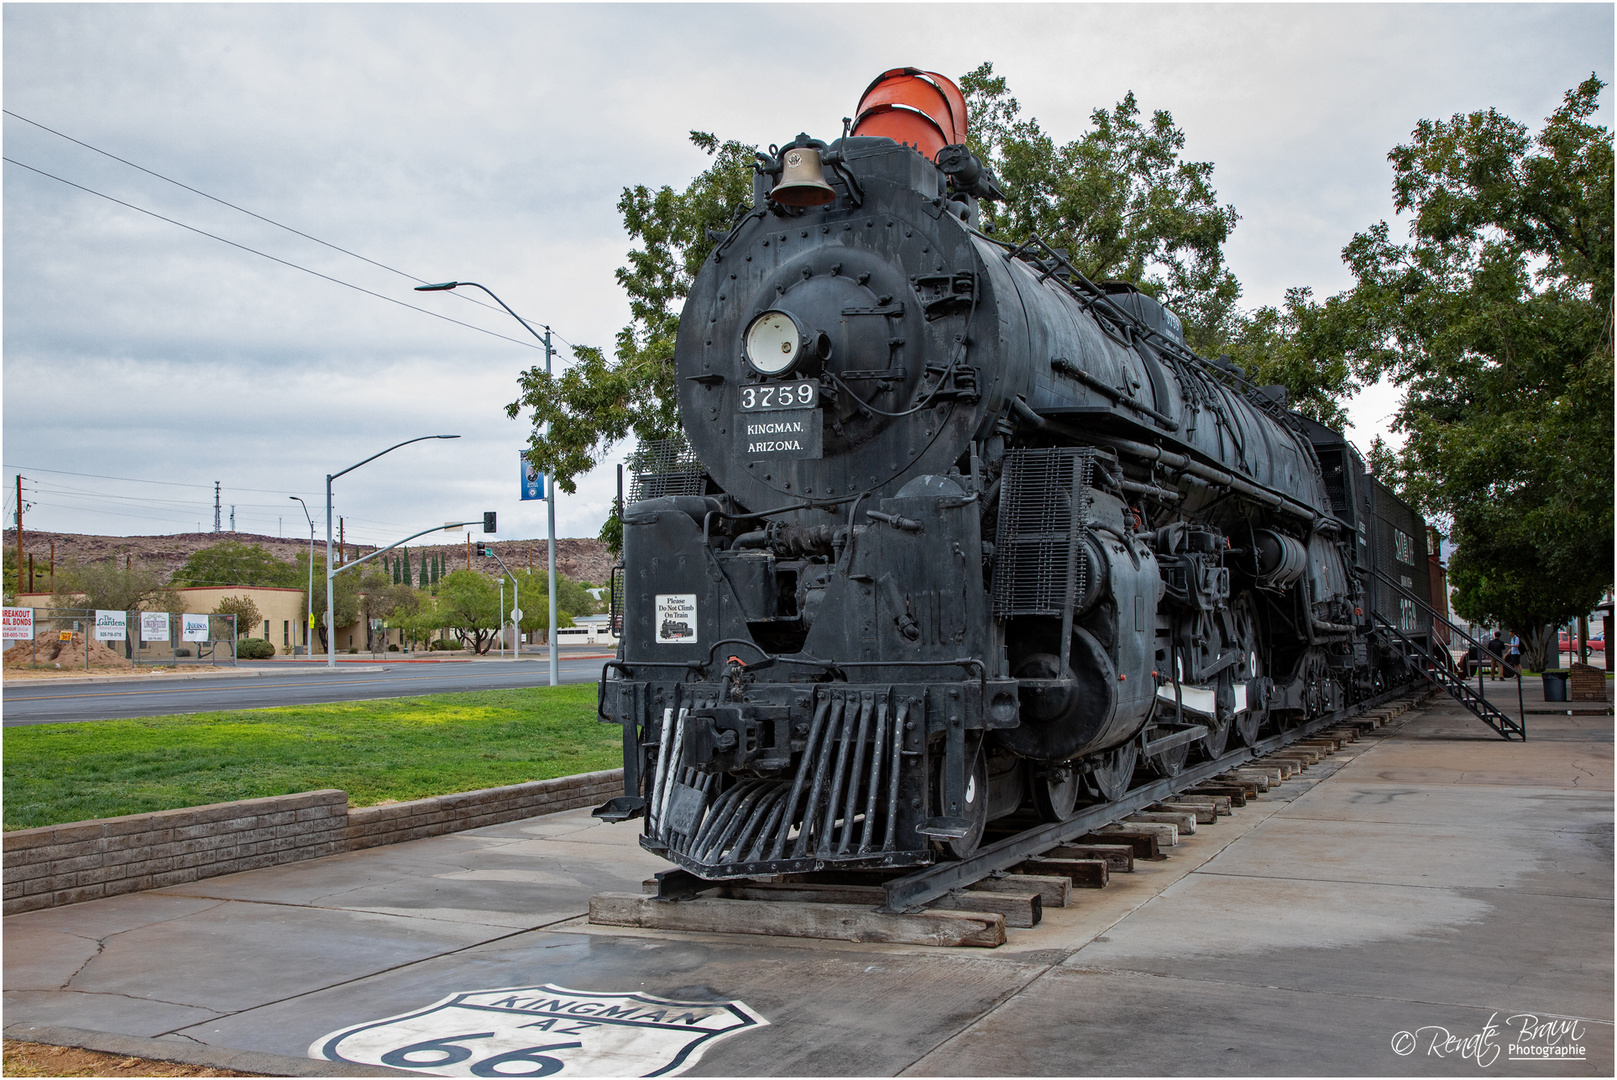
<point>775,342</point>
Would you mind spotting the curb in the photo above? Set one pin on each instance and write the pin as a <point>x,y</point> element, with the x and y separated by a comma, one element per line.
<point>186,676</point>
<point>190,1052</point>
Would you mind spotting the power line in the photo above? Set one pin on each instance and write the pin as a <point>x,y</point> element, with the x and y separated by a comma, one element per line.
<point>272,258</point>
<point>269,221</point>
<point>138,480</point>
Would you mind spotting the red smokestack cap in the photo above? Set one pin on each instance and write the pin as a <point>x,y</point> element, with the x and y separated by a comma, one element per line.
<point>918,107</point>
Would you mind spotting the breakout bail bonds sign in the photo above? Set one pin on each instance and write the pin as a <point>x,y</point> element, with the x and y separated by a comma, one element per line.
<point>540,1031</point>
<point>18,624</point>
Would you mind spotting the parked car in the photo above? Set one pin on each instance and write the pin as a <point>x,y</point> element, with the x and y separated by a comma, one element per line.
<point>1597,642</point>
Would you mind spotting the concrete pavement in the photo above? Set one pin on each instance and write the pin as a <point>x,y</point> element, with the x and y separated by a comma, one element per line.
<point>1396,909</point>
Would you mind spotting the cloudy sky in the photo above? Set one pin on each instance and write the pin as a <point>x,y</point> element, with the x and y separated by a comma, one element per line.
<point>143,360</point>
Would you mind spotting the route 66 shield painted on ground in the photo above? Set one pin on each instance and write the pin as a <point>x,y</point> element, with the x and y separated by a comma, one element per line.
<point>542,1031</point>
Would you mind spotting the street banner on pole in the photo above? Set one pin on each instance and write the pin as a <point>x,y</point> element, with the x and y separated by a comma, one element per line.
<point>18,624</point>
<point>533,481</point>
<point>154,626</point>
<point>194,628</point>
<point>111,625</point>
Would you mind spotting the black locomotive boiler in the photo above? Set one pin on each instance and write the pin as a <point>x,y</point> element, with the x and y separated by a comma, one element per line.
<point>970,535</point>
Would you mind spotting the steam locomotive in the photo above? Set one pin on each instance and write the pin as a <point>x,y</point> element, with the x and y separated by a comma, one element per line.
<point>962,534</point>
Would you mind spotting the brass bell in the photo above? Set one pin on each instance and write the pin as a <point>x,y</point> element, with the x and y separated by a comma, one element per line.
<point>802,179</point>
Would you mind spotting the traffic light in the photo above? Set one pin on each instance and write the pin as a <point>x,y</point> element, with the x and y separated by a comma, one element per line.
<point>488,521</point>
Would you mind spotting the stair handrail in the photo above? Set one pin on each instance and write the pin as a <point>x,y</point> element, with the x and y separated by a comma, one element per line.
<point>1445,676</point>
<point>1433,614</point>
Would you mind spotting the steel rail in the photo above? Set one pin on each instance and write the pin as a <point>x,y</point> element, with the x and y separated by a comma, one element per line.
<point>923,886</point>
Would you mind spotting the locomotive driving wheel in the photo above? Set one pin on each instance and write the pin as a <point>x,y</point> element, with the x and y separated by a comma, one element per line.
<point>1247,722</point>
<point>1055,793</point>
<point>1170,761</point>
<point>1110,771</point>
<point>1316,684</point>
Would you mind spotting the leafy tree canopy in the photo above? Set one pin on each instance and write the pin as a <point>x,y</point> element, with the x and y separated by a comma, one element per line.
<point>571,600</point>
<point>1495,318</point>
<point>247,614</point>
<point>114,585</point>
<point>1120,200</point>
<point>469,604</point>
<point>231,562</point>
<point>579,413</point>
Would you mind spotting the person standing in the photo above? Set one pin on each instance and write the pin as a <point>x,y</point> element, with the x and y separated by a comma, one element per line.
<point>1496,647</point>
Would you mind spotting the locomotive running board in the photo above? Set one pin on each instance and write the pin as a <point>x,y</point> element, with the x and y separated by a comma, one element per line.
<point>923,886</point>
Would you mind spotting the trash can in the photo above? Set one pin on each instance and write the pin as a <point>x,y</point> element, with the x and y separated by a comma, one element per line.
<point>1555,684</point>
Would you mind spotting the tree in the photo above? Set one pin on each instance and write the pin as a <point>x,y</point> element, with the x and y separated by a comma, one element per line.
<point>1304,347</point>
<point>572,600</point>
<point>418,622</point>
<point>345,590</point>
<point>1495,319</point>
<point>110,586</point>
<point>425,577</point>
<point>233,563</point>
<point>469,603</point>
<point>1119,200</point>
<point>596,402</point>
<point>246,612</point>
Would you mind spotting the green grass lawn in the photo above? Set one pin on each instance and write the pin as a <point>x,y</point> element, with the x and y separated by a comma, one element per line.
<point>377,751</point>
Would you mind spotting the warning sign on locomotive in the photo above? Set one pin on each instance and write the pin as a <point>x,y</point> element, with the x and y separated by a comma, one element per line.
<point>676,618</point>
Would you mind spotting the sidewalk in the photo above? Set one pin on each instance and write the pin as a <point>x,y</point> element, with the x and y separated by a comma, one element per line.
<point>1429,876</point>
<point>248,669</point>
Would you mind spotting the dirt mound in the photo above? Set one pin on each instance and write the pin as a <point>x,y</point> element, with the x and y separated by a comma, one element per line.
<point>49,650</point>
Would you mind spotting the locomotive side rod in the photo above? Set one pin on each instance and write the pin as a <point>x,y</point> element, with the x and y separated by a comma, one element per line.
<point>924,886</point>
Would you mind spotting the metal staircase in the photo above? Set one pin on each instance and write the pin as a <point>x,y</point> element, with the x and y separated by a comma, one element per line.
<point>1430,659</point>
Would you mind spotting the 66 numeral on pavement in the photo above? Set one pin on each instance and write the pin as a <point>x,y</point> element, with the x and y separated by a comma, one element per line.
<point>451,1054</point>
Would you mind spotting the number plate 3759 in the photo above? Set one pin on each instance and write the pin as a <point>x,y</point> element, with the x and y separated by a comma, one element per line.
<point>792,395</point>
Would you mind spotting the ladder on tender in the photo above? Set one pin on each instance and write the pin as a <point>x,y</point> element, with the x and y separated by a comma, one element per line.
<point>1431,660</point>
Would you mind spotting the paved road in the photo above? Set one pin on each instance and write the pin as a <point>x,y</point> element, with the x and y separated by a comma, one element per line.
<point>46,703</point>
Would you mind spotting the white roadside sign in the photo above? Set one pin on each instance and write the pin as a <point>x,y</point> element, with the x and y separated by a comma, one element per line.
<point>154,626</point>
<point>194,628</point>
<point>111,625</point>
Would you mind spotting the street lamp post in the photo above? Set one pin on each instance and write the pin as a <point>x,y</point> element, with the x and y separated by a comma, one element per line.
<point>516,602</point>
<point>308,624</point>
<point>550,500</point>
<point>331,621</point>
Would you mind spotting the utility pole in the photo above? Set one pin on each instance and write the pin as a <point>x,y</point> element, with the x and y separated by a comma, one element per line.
<point>19,538</point>
<point>550,508</point>
<point>216,506</point>
<point>342,544</point>
<point>232,517</point>
<point>555,677</point>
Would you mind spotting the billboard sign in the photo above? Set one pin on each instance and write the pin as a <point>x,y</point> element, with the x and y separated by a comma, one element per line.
<point>111,625</point>
<point>154,626</point>
<point>18,624</point>
<point>194,628</point>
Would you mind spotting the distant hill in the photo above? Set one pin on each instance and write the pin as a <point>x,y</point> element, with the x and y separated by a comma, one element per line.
<point>581,560</point>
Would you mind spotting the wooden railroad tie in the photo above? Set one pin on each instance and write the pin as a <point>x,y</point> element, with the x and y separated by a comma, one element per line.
<point>846,906</point>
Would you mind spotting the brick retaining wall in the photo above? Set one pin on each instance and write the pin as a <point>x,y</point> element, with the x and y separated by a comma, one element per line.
<point>86,860</point>
<point>1587,683</point>
<point>369,826</point>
